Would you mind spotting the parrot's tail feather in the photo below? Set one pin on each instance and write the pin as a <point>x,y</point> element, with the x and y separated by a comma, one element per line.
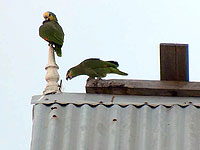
<point>117,71</point>
<point>123,73</point>
<point>114,62</point>
<point>57,48</point>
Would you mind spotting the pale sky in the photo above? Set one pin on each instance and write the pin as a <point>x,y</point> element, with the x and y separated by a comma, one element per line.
<point>127,31</point>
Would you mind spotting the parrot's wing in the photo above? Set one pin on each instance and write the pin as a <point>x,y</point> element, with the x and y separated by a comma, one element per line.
<point>103,71</point>
<point>113,62</point>
<point>94,63</point>
<point>91,72</point>
<point>52,32</point>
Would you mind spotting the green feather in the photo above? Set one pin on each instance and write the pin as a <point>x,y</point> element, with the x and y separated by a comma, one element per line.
<point>95,67</point>
<point>58,50</point>
<point>52,32</point>
<point>97,63</point>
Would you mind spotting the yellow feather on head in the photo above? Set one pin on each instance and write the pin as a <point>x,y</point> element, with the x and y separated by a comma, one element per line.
<point>49,16</point>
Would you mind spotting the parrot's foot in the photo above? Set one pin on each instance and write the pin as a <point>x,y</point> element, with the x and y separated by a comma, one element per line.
<point>95,82</point>
<point>50,44</point>
<point>90,78</point>
<point>99,79</point>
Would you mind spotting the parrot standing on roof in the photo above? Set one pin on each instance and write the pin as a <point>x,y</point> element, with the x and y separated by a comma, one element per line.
<point>94,67</point>
<point>52,32</point>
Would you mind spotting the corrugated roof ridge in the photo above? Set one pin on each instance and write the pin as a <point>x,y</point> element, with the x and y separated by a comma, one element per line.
<point>109,99</point>
<point>153,106</point>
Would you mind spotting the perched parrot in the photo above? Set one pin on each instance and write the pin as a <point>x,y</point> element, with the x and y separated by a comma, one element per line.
<point>94,67</point>
<point>52,32</point>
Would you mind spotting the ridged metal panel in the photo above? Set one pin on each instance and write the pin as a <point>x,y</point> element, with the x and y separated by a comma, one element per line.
<point>101,127</point>
<point>109,99</point>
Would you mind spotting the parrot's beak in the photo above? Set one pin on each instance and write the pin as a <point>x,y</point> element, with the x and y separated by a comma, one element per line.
<point>46,18</point>
<point>68,77</point>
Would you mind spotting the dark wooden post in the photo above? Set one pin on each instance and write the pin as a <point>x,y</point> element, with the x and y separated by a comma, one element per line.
<point>174,74</point>
<point>174,64</point>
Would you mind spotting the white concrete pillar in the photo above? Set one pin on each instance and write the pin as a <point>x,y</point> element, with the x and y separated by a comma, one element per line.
<point>52,75</point>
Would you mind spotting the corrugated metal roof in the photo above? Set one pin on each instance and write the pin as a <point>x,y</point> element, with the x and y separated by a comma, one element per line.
<point>73,125</point>
<point>109,99</point>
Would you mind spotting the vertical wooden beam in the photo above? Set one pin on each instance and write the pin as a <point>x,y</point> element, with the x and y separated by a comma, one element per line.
<point>174,63</point>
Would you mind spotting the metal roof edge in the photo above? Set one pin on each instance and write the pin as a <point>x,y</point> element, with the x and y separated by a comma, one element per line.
<point>109,99</point>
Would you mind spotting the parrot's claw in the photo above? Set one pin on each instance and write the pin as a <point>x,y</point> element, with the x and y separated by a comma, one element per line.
<point>99,78</point>
<point>90,78</point>
<point>50,45</point>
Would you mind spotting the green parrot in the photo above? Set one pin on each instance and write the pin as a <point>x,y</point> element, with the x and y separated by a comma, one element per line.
<point>94,67</point>
<point>52,32</point>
